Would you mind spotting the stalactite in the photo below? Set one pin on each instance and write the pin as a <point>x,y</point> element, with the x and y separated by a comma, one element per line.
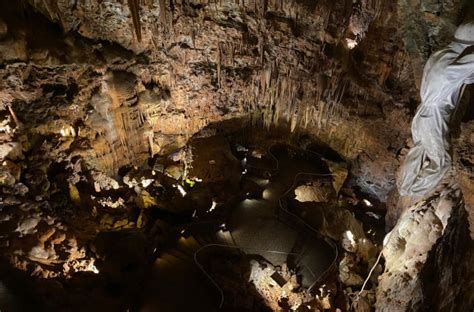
<point>293,123</point>
<point>134,8</point>
<point>163,14</point>
<point>53,10</point>
<point>219,64</point>
<point>285,95</point>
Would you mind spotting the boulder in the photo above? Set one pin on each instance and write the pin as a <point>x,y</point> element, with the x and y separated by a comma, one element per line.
<point>317,191</point>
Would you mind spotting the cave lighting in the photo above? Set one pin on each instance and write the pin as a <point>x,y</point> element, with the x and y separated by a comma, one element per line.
<point>262,182</point>
<point>351,44</point>
<point>367,203</point>
<point>246,202</point>
<point>350,236</point>
<point>214,204</point>
<point>181,190</point>
<point>147,182</point>
<point>67,132</point>
<point>94,269</point>
<point>373,215</point>
<point>267,194</point>
<point>90,267</point>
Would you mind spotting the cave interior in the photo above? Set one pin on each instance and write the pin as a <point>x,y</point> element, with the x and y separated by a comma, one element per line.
<point>231,155</point>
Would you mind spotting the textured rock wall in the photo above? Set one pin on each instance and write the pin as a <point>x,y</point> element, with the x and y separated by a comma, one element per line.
<point>427,26</point>
<point>428,257</point>
<point>464,158</point>
<point>325,68</point>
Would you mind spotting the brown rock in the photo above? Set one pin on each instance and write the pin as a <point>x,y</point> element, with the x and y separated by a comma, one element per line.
<point>14,50</point>
<point>415,246</point>
<point>11,150</point>
<point>46,235</point>
<point>12,168</point>
<point>318,192</point>
<point>3,29</point>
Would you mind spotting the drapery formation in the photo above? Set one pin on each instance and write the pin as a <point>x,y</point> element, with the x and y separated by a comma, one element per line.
<point>445,75</point>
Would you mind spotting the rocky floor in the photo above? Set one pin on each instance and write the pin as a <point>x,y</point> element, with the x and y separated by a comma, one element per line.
<point>72,243</point>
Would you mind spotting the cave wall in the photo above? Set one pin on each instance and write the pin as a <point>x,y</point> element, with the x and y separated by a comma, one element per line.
<point>427,26</point>
<point>336,69</point>
<point>439,277</point>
